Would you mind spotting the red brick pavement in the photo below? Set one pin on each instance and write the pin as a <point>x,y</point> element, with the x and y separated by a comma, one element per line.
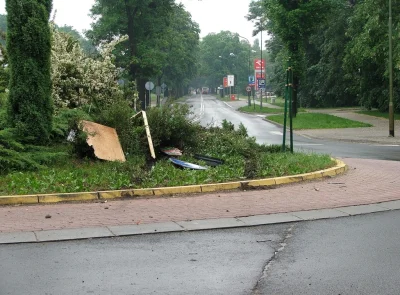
<point>366,182</point>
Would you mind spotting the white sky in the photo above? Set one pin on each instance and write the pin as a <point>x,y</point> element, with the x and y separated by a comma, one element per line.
<point>211,15</point>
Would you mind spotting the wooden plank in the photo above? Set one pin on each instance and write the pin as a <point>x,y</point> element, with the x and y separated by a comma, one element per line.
<point>146,125</point>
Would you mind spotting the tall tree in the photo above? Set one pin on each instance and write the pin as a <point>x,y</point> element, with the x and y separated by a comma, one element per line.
<point>29,49</point>
<point>293,22</point>
<point>144,21</point>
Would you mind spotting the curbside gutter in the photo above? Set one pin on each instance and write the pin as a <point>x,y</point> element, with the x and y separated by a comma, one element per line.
<point>338,169</point>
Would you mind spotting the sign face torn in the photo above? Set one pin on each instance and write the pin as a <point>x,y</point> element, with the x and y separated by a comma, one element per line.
<point>104,141</point>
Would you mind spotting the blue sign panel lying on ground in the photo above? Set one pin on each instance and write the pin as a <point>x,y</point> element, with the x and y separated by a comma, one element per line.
<point>186,164</point>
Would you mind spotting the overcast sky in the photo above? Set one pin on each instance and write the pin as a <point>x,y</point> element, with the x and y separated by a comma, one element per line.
<point>211,15</point>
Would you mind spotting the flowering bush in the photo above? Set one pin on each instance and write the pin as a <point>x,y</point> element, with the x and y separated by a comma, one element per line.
<point>79,79</point>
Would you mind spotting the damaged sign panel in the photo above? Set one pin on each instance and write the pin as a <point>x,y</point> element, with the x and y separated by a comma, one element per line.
<point>104,141</point>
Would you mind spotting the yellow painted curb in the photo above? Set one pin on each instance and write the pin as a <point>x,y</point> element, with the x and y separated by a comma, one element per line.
<point>129,193</point>
<point>19,200</point>
<point>205,188</point>
<point>177,190</point>
<point>340,168</point>
<point>258,182</point>
<point>68,197</point>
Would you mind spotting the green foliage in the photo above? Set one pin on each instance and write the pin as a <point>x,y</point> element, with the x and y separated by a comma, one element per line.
<point>29,48</point>
<point>170,127</point>
<point>319,121</point>
<point>64,121</point>
<point>119,116</point>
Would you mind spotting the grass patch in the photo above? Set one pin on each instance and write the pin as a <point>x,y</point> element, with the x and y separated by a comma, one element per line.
<point>86,175</point>
<point>379,114</point>
<point>319,121</point>
<point>265,110</point>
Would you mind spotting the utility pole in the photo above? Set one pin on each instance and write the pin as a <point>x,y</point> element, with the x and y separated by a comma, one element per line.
<point>261,66</point>
<point>391,111</point>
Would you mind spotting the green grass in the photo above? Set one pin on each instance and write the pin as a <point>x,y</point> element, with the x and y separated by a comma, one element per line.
<point>318,121</point>
<point>379,114</point>
<point>265,110</point>
<point>79,175</point>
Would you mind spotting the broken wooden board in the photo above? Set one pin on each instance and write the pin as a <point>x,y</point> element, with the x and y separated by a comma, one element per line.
<point>146,126</point>
<point>104,141</point>
<point>172,151</point>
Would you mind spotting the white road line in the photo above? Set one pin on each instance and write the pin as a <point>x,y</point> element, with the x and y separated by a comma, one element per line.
<point>385,145</point>
<point>276,132</point>
<point>307,144</point>
<point>261,116</point>
<point>228,105</point>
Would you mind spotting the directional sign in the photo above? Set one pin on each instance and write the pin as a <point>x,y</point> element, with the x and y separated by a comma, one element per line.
<point>149,85</point>
<point>259,64</point>
<point>163,86</point>
<point>158,90</point>
<point>248,89</point>
<point>231,80</point>
<point>261,83</point>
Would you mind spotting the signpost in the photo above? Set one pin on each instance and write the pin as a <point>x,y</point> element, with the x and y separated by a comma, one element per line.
<point>231,82</point>
<point>248,89</point>
<point>149,86</point>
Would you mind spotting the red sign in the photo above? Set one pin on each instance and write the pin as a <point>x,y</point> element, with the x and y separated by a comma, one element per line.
<point>225,82</point>
<point>259,64</point>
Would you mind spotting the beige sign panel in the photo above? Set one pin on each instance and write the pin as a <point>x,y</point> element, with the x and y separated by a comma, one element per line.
<point>104,141</point>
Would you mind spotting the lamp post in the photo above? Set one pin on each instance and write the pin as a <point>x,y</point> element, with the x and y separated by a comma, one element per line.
<point>391,111</point>
<point>248,71</point>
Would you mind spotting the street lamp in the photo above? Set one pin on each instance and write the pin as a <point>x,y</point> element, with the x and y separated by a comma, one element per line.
<point>249,102</point>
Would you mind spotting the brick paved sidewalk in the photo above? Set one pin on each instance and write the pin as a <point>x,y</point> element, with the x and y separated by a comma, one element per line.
<point>366,182</point>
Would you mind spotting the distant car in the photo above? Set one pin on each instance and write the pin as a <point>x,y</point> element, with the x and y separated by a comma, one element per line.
<point>205,92</point>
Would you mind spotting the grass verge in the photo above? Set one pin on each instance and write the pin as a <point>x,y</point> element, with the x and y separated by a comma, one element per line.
<point>319,121</point>
<point>378,114</point>
<point>80,176</point>
<point>265,110</point>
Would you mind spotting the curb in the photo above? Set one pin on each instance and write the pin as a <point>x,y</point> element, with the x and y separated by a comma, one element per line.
<point>59,235</point>
<point>340,168</point>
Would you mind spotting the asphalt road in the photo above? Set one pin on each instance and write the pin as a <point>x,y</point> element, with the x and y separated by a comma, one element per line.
<point>211,112</point>
<point>350,255</point>
<point>358,255</point>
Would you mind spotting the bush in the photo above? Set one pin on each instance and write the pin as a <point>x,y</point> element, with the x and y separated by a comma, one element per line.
<point>170,126</point>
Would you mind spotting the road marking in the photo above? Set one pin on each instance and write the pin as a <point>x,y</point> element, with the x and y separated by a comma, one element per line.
<point>276,132</point>
<point>308,144</point>
<point>228,105</point>
<point>385,145</point>
<point>261,116</point>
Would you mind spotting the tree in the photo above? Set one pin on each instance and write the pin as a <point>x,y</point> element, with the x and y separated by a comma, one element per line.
<point>293,22</point>
<point>29,48</point>
<point>79,79</point>
<point>144,21</point>
<point>366,57</point>
<point>224,54</point>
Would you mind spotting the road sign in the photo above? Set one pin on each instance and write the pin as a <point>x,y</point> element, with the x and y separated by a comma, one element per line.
<point>158,90</point>
<point>231,80</point>
<point>149,85</point>
<point>163,86</point>
<point>259,64</point>
<point>225,82</point>
<point>261,83</point>
<point>251,80</point>
<point>248,89</point>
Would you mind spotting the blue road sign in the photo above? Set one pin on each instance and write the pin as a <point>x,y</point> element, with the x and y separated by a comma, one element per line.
<point>251,80</point>
<point>261,83</point>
